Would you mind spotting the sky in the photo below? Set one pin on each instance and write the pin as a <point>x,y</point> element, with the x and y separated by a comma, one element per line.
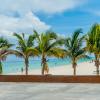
<point>61,16</point>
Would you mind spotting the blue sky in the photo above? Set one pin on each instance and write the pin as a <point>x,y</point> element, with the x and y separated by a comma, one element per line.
<point>61,16</point>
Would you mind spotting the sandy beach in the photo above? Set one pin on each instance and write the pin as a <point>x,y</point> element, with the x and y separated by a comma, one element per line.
<point>84,68</point>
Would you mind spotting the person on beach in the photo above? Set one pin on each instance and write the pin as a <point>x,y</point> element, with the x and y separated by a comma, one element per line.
<point>22,70</point>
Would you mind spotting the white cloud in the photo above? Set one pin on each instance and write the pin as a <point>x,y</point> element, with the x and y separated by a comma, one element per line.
<point>47,6</point>
<point>26,24</point>
<point>17,15</point>
<point>57,6</point>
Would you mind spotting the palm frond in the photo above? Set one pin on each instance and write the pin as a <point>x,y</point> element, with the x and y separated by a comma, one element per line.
<point>93,39</point>
<point>36,35</point>
<point>21,42</point>
<point>75,36</point>
<point>56,52</point>
<point>30,40</point>
<point>4,54</point>
<point>32,52</point>
<point>51,35</point>
<point>4,43</point>
<point>59,42</point>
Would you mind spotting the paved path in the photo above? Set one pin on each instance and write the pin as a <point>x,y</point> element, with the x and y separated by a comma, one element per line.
<point>36,91</point>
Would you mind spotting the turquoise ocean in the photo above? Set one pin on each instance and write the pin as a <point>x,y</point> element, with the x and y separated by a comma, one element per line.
<point>16,66</point>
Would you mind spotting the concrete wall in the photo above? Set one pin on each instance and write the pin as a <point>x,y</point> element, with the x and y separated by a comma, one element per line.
<point>50,78</point>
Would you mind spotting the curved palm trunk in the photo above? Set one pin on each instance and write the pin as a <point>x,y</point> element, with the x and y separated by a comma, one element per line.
<point>74,68</point>
<point>97,64</point>
<point>1,67</point>
<point>45,68</point>
<point>26,66</point>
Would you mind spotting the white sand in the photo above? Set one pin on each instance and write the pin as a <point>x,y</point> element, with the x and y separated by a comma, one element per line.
<point>85,68</point>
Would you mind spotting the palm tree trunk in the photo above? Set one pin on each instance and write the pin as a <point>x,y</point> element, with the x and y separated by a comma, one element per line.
<point>97,70</point>
<point>74,68</point>
<point>43,65</point>
<point>97,64</point>
<point>45,68</point>
<point>26,66</point>
<point>1,67</point>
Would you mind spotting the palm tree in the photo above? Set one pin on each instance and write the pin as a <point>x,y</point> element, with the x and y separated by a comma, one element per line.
<point>48,46</point>
<point>93,44</point>
<point>75,49</point>
<point>4,49</point>
<point>25,48</point>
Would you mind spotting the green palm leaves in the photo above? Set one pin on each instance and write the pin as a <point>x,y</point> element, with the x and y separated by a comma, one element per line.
<point>74,48</point>
<point>4,51</point>
<point>93,43</point>
<point>48,46</point>
<point>4,43</point>
<point>25,48</point>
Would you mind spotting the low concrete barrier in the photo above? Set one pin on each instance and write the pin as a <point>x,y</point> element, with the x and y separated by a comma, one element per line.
<point>50,78</point>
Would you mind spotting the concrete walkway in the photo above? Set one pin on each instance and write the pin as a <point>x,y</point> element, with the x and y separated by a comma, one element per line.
<point>36,91</point>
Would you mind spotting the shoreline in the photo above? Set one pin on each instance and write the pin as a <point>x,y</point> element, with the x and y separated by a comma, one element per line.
<point>84,68</point>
